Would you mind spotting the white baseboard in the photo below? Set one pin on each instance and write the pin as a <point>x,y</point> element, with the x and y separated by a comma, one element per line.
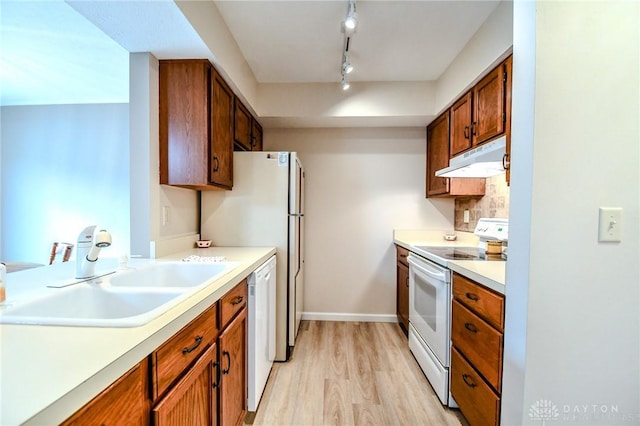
<point>334,316</point>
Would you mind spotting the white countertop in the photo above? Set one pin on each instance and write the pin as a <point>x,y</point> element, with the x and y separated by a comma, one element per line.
<point>490,274</point>
<point>49,372</point>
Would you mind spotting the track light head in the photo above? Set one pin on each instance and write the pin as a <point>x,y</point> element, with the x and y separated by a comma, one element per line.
<point>347,67</point>
<point>351,21</point>
<point>345,84</point>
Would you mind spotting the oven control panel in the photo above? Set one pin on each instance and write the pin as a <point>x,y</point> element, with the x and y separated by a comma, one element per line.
<point>492,229</point>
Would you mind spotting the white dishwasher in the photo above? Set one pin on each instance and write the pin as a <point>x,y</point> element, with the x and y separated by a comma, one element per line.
<point>262,330</point>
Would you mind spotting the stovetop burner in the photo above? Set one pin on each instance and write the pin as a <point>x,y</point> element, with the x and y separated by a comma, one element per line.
<point>460,253</point>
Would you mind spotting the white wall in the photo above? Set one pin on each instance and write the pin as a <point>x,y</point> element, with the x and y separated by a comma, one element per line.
<point>488,47</point>
<point>576,126</point>
<point>64,167</point>
<point>360,185</point>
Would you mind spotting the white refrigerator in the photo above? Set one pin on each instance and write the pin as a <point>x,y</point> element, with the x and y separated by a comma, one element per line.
<point>265,208</point>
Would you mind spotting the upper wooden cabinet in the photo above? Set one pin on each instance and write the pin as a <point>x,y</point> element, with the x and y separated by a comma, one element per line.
<point>256,136</point>
<point>242,127</point>
<point>481,114</point>
<point>247,130</point>
<point>196,126</point>
<point>438,158</point>
<point>461,113</point>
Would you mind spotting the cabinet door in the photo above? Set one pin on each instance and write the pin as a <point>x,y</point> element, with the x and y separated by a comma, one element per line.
<point>437,154</point>
<point>221,155</point>
<point>256,136</point>
<point>242,126</point>
<point>184,122</point>
<point>461,125</point>
<point>488,111</point>
<point>192,400</point>
<point>403,295</point>
<point>233,382</point>
<point>124,402</point>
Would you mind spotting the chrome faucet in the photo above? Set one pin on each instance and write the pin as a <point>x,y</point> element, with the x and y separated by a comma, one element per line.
<point>90,242</point>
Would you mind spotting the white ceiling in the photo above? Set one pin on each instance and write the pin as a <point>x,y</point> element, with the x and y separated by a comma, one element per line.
<point>301,41</point>
<point>77,51</point>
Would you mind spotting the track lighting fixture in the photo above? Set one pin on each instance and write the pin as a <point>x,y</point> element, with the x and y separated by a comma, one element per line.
<point>348,27</point>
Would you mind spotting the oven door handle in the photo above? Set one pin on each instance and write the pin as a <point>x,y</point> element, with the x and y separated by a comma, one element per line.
<point>440,276</point>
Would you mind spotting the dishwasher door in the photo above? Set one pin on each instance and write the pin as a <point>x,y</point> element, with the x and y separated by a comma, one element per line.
<point>261,348</point>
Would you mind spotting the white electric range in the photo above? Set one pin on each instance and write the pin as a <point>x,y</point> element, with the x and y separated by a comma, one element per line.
<point>430,301</point>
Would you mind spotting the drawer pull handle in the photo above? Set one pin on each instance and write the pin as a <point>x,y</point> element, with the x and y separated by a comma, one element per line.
<point>468,381</point>
<point>228,356</point>
<point>472,296</point>
<point>403,255</point>
<point>190,349</point>
<point>237,300</point>
<point>215,384</point>
<point>472,328</point>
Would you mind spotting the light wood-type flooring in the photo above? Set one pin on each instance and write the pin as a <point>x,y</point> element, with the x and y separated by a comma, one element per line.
<point>350,373</point>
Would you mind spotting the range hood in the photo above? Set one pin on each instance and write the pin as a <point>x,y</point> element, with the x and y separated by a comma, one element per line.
<point>483,161</point>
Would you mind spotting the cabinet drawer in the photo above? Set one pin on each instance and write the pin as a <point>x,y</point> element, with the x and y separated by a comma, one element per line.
<point>480,343</point>
<point>402,255</point>
<point>176,354</point>
<point>232,302</point>
<point>480,300</point>
<point>477,401</point>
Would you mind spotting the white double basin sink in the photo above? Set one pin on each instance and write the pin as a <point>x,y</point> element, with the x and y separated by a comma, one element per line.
<point>124,298</point>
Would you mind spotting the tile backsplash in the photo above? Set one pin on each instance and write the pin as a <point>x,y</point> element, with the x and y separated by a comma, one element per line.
<point>495,203</point>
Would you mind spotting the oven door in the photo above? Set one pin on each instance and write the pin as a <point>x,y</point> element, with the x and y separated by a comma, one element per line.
<point>429,305</point>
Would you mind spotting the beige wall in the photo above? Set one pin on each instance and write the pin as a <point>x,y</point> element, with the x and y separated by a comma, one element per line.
<point>360,185</point>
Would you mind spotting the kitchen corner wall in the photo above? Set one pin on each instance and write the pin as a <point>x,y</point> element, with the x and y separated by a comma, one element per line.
<point>361,183</point>
<point>495,203</point>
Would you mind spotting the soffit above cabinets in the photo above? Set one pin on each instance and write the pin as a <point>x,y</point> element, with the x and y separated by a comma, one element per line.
<point>83,47</point>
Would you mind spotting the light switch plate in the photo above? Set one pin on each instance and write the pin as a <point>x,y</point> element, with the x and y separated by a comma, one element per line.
<point>466,216</point>
<point>610,224</point>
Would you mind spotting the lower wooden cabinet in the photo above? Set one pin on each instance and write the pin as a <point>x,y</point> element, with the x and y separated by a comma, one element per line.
<point>125,402</point>
<point>233,368</point>
<point>197,377</point>
<point>477,329</point>
<point>402,288</point>
<point>193,400</point>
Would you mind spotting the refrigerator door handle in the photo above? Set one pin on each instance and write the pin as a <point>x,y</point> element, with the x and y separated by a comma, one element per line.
<point>296,215</point>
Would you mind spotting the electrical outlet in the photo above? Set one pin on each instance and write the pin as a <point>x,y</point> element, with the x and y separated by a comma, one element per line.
<point>466,216</point>
<point>165,215</point>
<point>610,224</point>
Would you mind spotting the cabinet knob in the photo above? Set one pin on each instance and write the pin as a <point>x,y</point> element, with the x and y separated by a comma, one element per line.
<point>192,348</point>
<point>228,356</point>
<point>215,384</point>
<point>472,296</point>
<point>472,328</point>
<point>505,161</point>
<point>468,380</point>
<point>466,132</point>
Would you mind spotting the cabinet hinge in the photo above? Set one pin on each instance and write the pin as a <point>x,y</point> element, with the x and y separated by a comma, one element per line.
<point>504,76</point>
